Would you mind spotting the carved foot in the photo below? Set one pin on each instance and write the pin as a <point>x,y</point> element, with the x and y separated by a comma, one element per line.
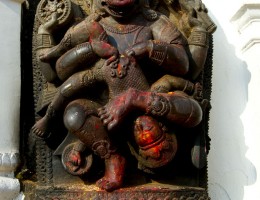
<point>41,127</point>
<point>115,111</point>
<point>114,173</point>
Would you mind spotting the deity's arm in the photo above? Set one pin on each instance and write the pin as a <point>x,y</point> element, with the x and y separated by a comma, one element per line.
<point>198,26</point>
<point>44,42</point>
<point>81,45</point>
<point>47,49</point>
<point>75,35</point>
<point>166,48</point>
<point>197,51</point>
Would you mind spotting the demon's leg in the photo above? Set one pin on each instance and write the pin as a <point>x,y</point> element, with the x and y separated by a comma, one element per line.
<point>175,107</point>
<point>80,118</point>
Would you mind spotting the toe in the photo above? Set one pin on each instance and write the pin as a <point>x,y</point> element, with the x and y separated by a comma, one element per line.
<point>110,186</point>
<point>101,183</point>
<point>101,111</point>
<point>104,116</point>
<point>108,120</point>
<point>112,124</point>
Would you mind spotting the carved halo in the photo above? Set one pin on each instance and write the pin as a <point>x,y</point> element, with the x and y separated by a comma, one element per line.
<point>47,7</point>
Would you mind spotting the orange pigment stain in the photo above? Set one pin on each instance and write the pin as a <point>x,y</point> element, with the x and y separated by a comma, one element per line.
<point>119,68</point>
<point>147,137</point>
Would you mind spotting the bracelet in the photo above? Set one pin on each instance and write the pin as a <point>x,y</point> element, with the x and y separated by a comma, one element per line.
<point>189,87</point>
<point>199,38</point>
<point>158,105</point>
<point>85,52</point>
<point>44,41</point>
<point>159,52</point>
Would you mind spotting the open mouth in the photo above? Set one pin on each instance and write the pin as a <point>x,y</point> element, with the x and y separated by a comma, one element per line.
<point>118,8</point>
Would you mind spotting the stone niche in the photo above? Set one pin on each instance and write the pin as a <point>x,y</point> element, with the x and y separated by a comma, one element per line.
<point>58,160</point>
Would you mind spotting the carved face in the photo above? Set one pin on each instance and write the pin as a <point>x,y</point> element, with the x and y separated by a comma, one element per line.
<point>119,8</point>
<point>147,132</point>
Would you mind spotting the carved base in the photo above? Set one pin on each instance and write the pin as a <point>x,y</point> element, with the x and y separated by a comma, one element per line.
<point>8,163</point>
<point>152,191</point>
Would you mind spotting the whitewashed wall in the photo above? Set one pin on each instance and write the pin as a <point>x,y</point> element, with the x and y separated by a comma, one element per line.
<point>234,162</point>
<point>10,24</point>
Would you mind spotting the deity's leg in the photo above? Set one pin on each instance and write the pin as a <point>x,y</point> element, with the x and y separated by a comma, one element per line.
<point>176,107</point>
<point>81,119</point>
<point>75,84</point>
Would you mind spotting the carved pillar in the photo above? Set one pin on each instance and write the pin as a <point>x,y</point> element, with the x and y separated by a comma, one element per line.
<point>10,15</point>
<point>247,22</point>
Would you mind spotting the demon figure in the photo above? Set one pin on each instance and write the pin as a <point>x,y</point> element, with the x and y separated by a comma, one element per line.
<point>148,68</point>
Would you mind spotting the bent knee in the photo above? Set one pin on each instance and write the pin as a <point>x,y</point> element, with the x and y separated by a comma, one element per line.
<point>77,112</point>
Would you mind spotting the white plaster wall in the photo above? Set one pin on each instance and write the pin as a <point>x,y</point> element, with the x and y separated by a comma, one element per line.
<point>234,124</point>
<point>10,12</point>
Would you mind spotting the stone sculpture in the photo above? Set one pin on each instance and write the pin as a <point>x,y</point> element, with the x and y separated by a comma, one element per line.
<point>145,59</point>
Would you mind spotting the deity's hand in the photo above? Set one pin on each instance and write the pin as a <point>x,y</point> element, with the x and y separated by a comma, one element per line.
<point>49,26</point>
<point>195,16</point>
<point>103,49</point>
<point>140,50</point>
<point>189,19</point>
<point>189,5</point>
<point>45,38</point>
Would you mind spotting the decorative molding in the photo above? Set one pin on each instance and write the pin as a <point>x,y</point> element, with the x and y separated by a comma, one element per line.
<point>139,193</point>
<point>9,162</point>
<point>246,15</point>
<point>251,43</point>
<point>247,22</point>
<point>10,188</point>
